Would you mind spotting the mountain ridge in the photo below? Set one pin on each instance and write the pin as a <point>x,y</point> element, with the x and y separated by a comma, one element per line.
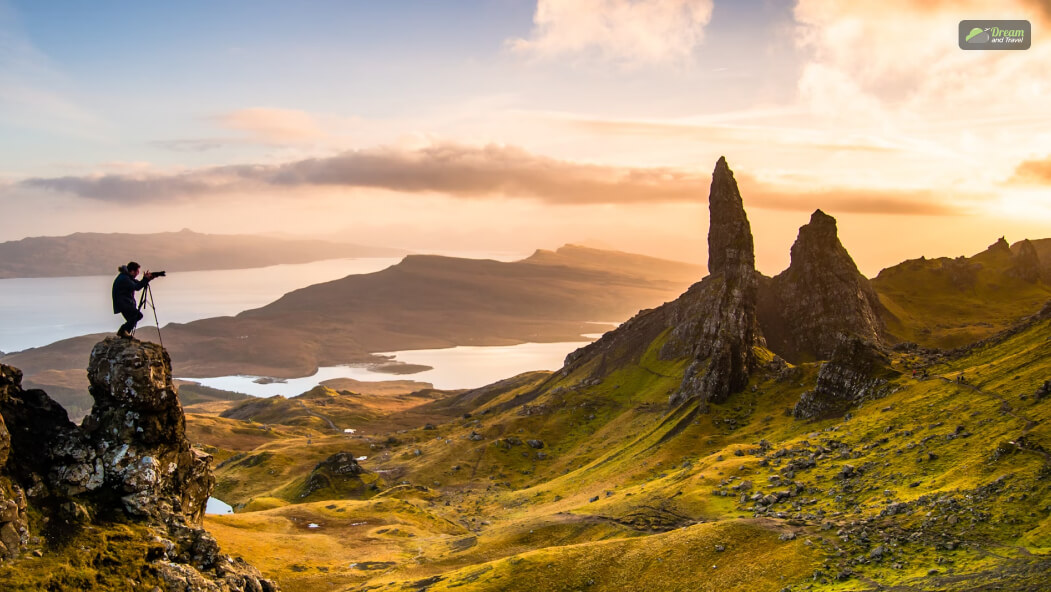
<point>93,253</point>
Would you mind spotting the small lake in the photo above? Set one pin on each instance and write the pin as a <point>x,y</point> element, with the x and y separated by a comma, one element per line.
<point>460,367</point>
<point>217,506</point>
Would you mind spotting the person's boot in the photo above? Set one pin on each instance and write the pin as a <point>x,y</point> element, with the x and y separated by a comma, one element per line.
<point>124,334</point>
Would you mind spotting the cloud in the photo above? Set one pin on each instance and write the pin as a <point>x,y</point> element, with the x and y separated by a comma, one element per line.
<point>622,31</point>
<point>900,59</point>
<point>197,144</point>
<point>910,202</point>
<point>1032,172</point>
<point>485,172</point>
<point>272,125</point>
<point>730,133</point>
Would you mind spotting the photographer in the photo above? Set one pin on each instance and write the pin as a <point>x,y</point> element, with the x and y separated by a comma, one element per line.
<point>124,287</point>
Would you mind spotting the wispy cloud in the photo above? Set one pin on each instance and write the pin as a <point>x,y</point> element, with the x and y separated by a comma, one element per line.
<point>269,124</point>
<point>493,171</point>
<point>1032,172</point>
<point>909,202</point>
<point>622,31</point>
<point>732,133</point>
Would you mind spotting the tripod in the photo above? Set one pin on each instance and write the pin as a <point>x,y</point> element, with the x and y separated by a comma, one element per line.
<point>147,296</point>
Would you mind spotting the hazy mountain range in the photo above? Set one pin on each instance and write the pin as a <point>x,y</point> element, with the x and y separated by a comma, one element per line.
<point>423,302</point>
<point>92,253</point>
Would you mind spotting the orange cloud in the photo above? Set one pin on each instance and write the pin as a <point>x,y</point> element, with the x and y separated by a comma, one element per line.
<point>492,171</point>
<point>1032,172</point>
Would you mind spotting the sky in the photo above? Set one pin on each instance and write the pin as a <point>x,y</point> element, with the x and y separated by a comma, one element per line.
<point>510,125</point>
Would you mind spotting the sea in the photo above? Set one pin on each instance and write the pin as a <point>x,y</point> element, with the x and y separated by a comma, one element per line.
<point>38,311</point>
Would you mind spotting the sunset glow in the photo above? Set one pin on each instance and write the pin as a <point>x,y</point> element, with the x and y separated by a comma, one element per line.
<point>513,125</point>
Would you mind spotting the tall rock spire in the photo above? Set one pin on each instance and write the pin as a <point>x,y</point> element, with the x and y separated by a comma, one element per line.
<point>719,325</point>
<point>729,234</point>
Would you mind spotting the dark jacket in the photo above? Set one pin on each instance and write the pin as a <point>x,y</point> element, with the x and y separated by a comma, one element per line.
<point>124,288</point>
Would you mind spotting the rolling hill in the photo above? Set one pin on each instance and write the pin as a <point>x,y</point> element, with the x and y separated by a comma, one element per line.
<point>423,302</point>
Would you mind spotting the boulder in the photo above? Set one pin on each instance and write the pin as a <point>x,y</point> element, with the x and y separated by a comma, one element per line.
<point>338,476</point>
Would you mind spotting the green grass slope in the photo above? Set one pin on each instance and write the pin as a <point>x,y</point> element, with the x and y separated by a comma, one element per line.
<point>948,303</point>
<point>563,483</point>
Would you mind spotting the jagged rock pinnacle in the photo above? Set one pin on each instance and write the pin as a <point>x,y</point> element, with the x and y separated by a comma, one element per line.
<point>729,234</point>
<point>820,297</point>
<point>720,326</point>
<point>137,411</point>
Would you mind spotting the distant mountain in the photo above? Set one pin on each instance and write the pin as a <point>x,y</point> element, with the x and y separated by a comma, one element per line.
<point>90,253</point>
<point>429,301</point>
<point>425,301</point>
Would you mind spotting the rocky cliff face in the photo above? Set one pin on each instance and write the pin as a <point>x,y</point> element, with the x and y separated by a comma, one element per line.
<point>713,323</point>
<point>820,298</point>
<point>857,372</point>
<point>14,524</point>
<point>719,328</point>
<point>1026,264</point>
<point>806,313</point>
<point>129,462</point>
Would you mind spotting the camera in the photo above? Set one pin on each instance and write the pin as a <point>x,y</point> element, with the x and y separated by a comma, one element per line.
<point>158,273</point>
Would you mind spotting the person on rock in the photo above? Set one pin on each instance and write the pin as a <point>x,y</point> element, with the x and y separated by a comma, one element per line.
<point>124,287</point>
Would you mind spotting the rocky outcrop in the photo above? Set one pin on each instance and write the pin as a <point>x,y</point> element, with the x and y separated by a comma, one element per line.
<point>717,323</point>
<point>338,476</point>
<point>821,297</point>
<point>128,462</point>
<point>1025,262</point>
<point>713,323</point>
<point>857,372</point>
<point>730,248</point>
<point>806,313</point>
<point>14,525</point>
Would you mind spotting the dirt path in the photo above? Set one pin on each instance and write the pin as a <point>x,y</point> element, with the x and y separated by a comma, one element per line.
<point>315,414</point>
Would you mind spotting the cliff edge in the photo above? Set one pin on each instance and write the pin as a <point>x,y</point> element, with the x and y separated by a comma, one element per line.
<point>128,468</point>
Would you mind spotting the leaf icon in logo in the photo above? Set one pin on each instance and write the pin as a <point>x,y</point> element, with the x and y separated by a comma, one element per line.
<point>978,35</point>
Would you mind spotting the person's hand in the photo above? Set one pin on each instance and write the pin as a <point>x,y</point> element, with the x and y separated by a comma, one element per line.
<point>148,276</point>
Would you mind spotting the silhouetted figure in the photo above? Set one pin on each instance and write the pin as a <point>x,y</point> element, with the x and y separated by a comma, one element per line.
<point>124,287</point>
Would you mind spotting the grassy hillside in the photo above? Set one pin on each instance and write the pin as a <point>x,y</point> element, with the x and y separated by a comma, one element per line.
<point>558,483</point>
<point>948,303</point>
